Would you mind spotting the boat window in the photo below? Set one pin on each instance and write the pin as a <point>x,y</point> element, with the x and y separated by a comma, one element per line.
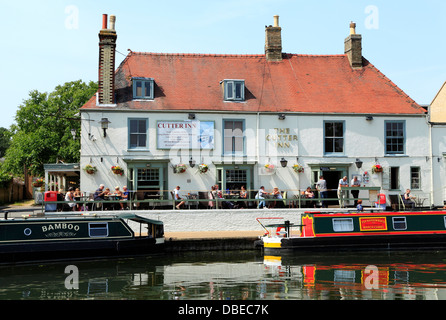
<point>399,223</point>
<point>342,225</point>
<point>98,229</point>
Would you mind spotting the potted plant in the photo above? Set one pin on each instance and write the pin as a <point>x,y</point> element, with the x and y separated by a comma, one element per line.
<point>90,169</point>
<point>117,170</point>
<point>180,168</point>
<point>203,168</point>
<point>38,183</point>
<point>269,167</point>
<point>377,168</point>
<point>298,168</point>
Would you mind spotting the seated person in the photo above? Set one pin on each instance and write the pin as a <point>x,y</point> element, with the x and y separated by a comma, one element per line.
<point>359,207</point>
<point>69,197</point>
<point>276,195</point>
<point>124,196</point>
<point>176,194</point>
<point>243,195</point>
<point>60,197</point>
<point>310,195</point>
<point>226,204</point>
<point>408,199</point>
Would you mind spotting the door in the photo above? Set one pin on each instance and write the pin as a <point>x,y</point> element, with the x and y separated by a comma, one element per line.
<point>332,178</point>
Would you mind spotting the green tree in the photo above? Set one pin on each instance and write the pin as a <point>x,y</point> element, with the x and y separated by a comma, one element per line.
<point>5,140</point>
<point>42,132</point>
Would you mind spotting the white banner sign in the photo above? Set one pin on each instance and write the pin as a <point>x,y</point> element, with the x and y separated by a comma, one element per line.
<point>185,134</point>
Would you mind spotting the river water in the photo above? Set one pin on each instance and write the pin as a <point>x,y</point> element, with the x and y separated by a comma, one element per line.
<point>246,275</point>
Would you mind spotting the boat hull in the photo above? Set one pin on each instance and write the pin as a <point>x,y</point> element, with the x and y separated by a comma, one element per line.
<point>18,253</point>
<point>361,232</point>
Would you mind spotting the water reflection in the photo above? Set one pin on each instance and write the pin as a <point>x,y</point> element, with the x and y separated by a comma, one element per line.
<point>237,276</point>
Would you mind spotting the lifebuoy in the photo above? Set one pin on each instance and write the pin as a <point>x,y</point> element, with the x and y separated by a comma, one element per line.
<point>279,231</point>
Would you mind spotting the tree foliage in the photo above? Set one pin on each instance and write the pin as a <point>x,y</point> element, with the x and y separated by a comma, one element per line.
<point>42,132</point>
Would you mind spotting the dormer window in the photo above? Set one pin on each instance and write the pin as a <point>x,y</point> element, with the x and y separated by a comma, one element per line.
<point>234,90</point>
<point>143,88</point>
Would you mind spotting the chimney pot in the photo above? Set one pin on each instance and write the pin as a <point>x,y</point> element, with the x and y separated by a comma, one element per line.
<point>104,21</point>
<point>112,22</point>
<point>276,20</point>
<point>352,28</point>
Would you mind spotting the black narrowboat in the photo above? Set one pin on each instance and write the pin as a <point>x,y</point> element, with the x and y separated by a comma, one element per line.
<point>358,231</point>
<point>57,237</point>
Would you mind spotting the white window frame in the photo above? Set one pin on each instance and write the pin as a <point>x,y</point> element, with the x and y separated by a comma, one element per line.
<point>343,225</point>
<point>230,90</point>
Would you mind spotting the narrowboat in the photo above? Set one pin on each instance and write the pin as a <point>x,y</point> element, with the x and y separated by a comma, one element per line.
<point>357,231</point>
<point>54,237</point>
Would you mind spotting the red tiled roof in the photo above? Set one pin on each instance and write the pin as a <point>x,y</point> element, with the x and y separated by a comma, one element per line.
<point>299,83</point>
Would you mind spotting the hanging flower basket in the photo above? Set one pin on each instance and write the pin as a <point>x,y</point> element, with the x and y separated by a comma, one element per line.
<point>203,168</point>
<point>117,170</point>
<point>270,167</point>
<point>90,169</point>
<point>38,183</point>
<point>377,168</point>
<point>180,168</point>
<point>298,168</point>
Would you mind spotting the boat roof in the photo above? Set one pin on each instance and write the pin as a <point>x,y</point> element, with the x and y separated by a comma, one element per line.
<point>58,216</point>
<point>137,218</point>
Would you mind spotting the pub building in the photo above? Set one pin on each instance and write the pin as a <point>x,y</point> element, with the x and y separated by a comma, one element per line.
<point>274,119</point>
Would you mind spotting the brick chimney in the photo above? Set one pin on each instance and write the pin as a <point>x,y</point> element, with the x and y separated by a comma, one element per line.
<point>273,41</point>
<point>107,47</point>
<point>353,47</point>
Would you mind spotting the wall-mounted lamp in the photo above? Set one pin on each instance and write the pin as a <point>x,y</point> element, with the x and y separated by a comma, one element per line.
<point>282,116</point>
<point>104,125</point>
<point>369,118</point>
<point>191,116</point>
<point>284,162</point>
<point>191,162</point>
<point>358,163</point>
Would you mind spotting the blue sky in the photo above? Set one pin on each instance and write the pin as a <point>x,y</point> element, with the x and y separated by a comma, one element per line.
<point>50,42</point>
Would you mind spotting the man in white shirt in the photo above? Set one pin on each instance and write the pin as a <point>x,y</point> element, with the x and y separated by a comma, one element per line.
<point>176,193</point>
<point>261,195</point>
<point>341,193</point>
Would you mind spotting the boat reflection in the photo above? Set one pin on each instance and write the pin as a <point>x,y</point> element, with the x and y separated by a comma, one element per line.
<point>237,276</point>
<point>377,276</point>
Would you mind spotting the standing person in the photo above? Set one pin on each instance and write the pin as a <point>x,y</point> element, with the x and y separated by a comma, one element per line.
<point>176,193</point>
<point>321,186</point>
<point>355,193</point>
<point>261,196</point>
<point>77,197</point>
<point>341,193</point>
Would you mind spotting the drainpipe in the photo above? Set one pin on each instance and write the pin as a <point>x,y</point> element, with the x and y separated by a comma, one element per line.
<point>432,164</point>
